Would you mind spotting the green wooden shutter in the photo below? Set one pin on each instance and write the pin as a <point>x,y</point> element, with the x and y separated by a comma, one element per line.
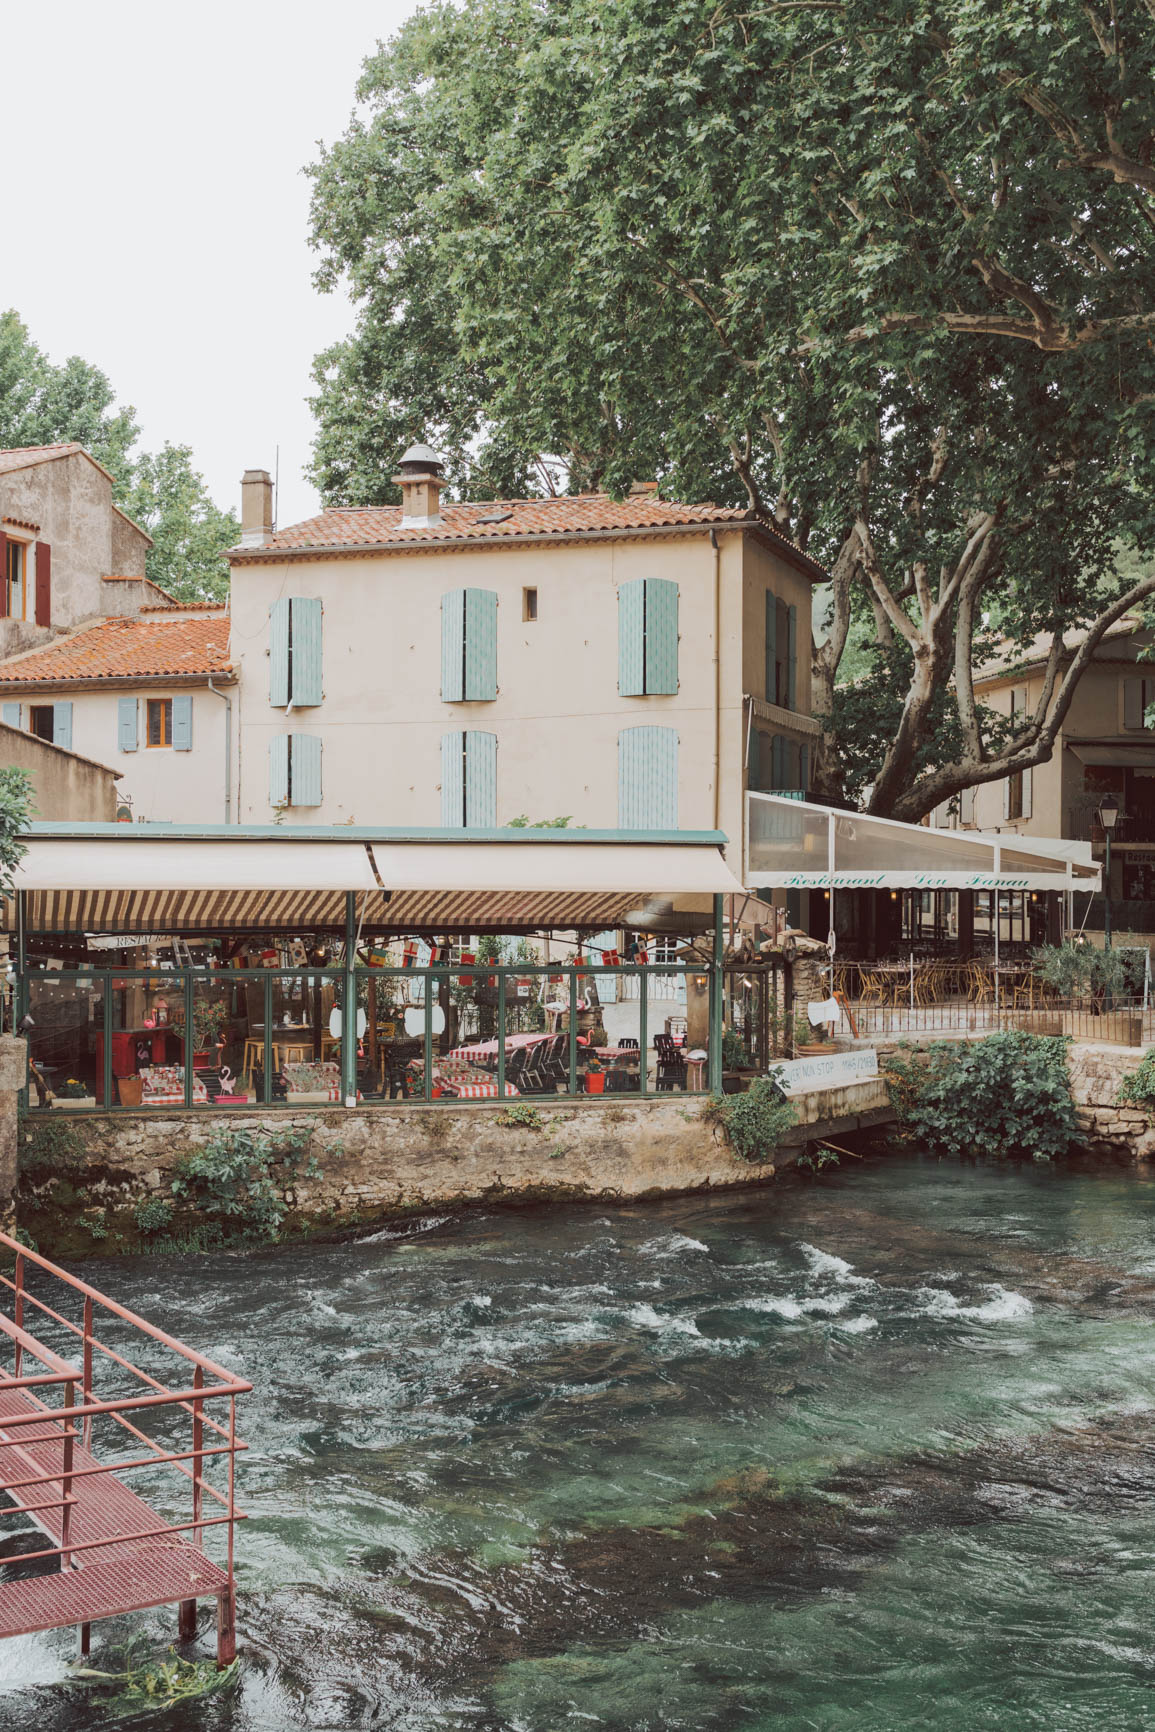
<point>182,706</point>
<point>279,653</point>
<point>480,781</point>
<point>792,663</point>
<point>648,779</point>
<point>279,770</point>
<point>452,646</point>
<point>62,726</point>
<point>632,638</point>
<point>480,645</point>
<point>11,715</point>
<point>305,769</point>
<point>452,780</point>
<point>771,647</point>
<point>126,724</point>
<point>661,636</point>
<point>779,770</point>
<point>306,683</point>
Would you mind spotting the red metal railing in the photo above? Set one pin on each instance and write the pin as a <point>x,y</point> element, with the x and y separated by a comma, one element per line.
<point>115,1553</point>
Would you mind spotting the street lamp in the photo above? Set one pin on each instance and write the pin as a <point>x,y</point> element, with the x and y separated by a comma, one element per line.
<point>1108,818</point>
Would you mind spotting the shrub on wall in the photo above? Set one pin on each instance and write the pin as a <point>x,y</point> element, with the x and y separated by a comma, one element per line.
<point>1138,1089</point>
<point>1009,1094</point>
<point>755,1122</point>
<point>239,1179</point>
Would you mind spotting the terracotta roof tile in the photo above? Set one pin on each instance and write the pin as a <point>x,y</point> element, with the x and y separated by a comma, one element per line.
<point>125,649</point>
<point>23,456</point>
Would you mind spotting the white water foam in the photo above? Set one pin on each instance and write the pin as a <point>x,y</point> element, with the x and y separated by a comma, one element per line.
<point>1001,1307</point>
<point>857,1325</point>
<point>798,1307</point>
<point>669,1245</point>
<point>409,1231</point>
<point>835,1268</point>
<point>647,1318</point>
<point>29,1660</point>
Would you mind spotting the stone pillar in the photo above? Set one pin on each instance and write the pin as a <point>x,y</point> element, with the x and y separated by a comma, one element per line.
<point>13,1076</point>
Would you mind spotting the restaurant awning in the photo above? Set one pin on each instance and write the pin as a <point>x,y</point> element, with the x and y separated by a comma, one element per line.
<point>793,844</point>
<point>159,878</point>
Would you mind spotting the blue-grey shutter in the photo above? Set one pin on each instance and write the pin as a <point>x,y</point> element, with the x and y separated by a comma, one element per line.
<point>279,653</point>
<point>792,662</point>
<point>480,645</point>
<point>480,781</point>
<point>648,779</point>
<point>279,770</point>
<point>804,768</point>
<point>778,772</point>
<point>182,722</point>
<point>305,769</point>
<point>632,638</point>
<point>661,636</point>
<point>306,686</point>
<point>12,715</point>
<point>452,780</point>
<point>452,646</point>
<point>62,726</point>
<point>126,724</point>
<point>771,647</point>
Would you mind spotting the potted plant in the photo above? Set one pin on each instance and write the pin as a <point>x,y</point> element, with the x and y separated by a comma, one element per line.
<point>595,1076</point>
<point>74,1093</point>
<point>808,1039</point>
<point>210,1019</point>
<point>737,1064</point>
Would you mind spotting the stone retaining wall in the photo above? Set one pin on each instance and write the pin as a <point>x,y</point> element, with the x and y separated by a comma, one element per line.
<point>1106,1127</point>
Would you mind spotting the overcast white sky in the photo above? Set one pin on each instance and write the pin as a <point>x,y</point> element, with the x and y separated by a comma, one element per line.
<point>156,215</point>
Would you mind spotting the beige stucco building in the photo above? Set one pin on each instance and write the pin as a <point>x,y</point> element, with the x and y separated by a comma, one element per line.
<point>623,664</point>
<point>1105,745</point>
<point>64,546</point>
<point>65,785</point>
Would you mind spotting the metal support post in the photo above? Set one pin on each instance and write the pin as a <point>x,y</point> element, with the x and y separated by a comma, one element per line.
<point>349,1009</point>
<point>573,1018</point>
<point>717,1006</point>
<point>501,1034</point>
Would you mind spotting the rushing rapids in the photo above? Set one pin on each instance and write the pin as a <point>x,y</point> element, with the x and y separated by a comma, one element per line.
<point>874,1453</point>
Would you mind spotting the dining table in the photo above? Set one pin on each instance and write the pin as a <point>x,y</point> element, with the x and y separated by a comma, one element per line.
<point>485,1051</point>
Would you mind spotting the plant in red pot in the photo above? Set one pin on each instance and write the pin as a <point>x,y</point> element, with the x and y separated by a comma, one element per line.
<point>210,1020</point>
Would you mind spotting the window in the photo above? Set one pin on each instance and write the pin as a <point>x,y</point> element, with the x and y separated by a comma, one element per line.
<point>40,721</point>
<point>1017,795</point>
<point>469,646</point>
<point>778,764</point>
<point>648,779</point>
<point>781,652</point>
<point>648,638</point>
<point>469,780</point>
<point>159,722</point>
<point>529,604</point>
<point>295,664</point>
<point>1138,696</point>
<point>295,770</point>
<point>15,581</point>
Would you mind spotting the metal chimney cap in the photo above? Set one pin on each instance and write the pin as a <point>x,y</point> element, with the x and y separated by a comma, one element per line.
<point>421,457</point>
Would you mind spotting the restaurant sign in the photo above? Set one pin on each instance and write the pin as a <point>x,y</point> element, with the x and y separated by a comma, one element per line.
<point>800,1076</point>
<point>898,880</point>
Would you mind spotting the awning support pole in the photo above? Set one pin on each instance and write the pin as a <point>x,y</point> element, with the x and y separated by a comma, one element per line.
<point>714,1046</point>
<point>349,1009</point>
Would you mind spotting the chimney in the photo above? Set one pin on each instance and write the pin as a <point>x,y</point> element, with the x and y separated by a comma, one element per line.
<point>256,507</point>
<point>420,480</point>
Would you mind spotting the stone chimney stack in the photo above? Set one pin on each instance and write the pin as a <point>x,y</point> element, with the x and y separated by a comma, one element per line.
<point>420,480</point>
<point>256,507</point>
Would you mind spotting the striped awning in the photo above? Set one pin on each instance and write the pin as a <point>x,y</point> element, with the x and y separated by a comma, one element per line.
<point>121,880</point>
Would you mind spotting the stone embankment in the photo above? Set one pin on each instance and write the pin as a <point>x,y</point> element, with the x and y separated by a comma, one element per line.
<point>1106,1127</point>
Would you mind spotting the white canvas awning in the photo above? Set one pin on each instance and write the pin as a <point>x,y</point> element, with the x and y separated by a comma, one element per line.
<point>792,844</point>
<point>154,878</point>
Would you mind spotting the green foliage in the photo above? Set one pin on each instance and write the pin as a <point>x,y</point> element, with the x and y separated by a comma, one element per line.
<point>50,1146</point>
<point>522,1114</point>
<point>522,822</point>
<point>755,1122</point>
<point>15,811</point>
<point>139,1681</point>
<point>71,1089</point>
<point>1007,1095</point>
<point>818,1160</point>
<point>24,1237</point>
<point>168,497</point>
<point>885,272</point>
<point>153,1216</point>
<point>1138,1089</point>
<point>1083,970</point>
<point>238,1178</point>
<point>210,1019</point>
<point>735,1054</point>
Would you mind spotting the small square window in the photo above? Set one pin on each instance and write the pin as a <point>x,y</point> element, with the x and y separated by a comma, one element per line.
<point>529,604</point>
<point>160,721</point>
<point>41,721</point>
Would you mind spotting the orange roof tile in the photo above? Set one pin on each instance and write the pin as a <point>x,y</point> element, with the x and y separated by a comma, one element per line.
<point>367,527</point>
<point>125,649</point>
<point>23,456</point>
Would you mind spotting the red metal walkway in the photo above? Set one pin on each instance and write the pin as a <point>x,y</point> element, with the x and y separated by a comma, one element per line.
<point>110,1552</point>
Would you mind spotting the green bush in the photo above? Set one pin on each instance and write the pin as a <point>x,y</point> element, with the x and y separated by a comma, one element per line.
<point>520,1113</point>
<point>1009,1094</point>
<point>50,1146</point>
<point>735,1054</point>
<point>755,1122</point>
<point>1085,971</point>
<point>239,1177</point>
<point>1138,1089</point>
<point>153,1216</point>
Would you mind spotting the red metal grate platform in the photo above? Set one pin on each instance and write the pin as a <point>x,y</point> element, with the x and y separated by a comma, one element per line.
<point>112,1552</point>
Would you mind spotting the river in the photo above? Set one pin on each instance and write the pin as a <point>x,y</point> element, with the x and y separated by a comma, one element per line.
<point>871,1453</point>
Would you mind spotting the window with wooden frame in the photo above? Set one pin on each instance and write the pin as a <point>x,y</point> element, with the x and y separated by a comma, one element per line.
<point>529,604</point>
<point>16,579</point>
<point>42,721</point>
<point>159,722</point>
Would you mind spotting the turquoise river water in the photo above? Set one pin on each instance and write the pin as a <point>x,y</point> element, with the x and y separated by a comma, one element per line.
<point>874,1453</point>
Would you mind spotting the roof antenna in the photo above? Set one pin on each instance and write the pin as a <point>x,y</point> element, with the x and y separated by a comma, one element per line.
<point>276,485</point>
